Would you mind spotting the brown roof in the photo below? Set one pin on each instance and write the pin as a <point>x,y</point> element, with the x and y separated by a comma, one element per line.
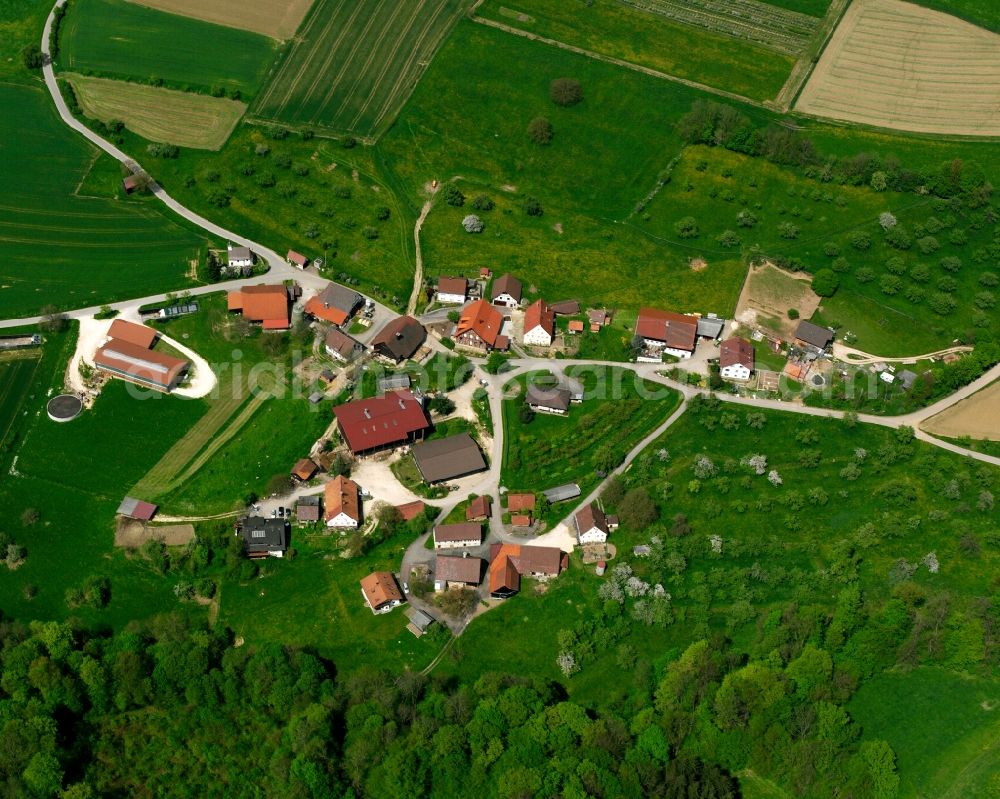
<point>334,304</point>
<point>736,350</point>
<point>589,517</point>
<point>575,326</point>
<point>307,511</point>
<point>520,519</point>
<point>813,334</point>
<point>411,510</point>
<point>506,284</point>
<point>510,561</point>
<point>516,502</point>
<point>479,508</point>
<point>262,303</point>
<point>305,469</point>
<point>556,399</point>
<point>342,497</point>
<point>453,285</point>
<point>378,421</point>
<point>462,531</point>
<point>139,363</point>
<point>538,314</point>
<point>452,569</point>
<point>140,335</point>
<point>677,331</point>
<point>483,319</point>
<point>379,589</point>
<point>341,343</point>
<point>400,338</point>
<point>447,458</point>
<point>296,258</point>
<point>566,307</point>
<point>598,317</point>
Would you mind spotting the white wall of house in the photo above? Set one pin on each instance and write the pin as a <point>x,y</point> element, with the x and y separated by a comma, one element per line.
<point>472,542</point>
<point>335,355</point>
<point>547,409</point>
<point>506,299</point>
<point>450,299</point>
<point>593,536</point>
<point>276,553</point>
<point>538,336</point>
<point>343,522</point>
<point>736,371</point>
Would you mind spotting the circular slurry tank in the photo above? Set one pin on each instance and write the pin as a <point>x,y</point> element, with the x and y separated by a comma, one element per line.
<point>818,380</point>
<point>64,408</point>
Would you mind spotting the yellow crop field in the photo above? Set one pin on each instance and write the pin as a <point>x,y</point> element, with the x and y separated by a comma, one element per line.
<point>157,114</point>
<point>901,66</point>
<point>977,416</point>
<point>277,20</point>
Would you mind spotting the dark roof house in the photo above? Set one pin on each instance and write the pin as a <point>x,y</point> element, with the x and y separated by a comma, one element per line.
<point>544,398</point>
<point>455,569</point>
<point>448,458</point>
<point>341,346</point>
<point>506,286</point>
<point>814,335</point>
<point>263,537</point>
<point>400,339</point>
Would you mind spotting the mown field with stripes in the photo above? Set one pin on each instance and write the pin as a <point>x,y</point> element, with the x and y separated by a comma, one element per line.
<point>354,63</point>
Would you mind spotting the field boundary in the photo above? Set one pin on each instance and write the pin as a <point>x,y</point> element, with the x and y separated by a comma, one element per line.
<point>806,63</point>
<point>618,62</point>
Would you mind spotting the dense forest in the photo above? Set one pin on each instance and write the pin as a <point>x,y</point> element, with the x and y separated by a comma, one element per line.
<point>168,709</point>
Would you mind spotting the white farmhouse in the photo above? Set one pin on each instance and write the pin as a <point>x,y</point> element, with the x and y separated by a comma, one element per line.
<point>591,525</point>
<point>539,325</point>
<point>343,504</point>
<point>452,290</point>
<point>736,359</point>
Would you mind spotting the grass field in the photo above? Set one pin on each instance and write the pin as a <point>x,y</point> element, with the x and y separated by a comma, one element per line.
<point>21,23</point>
<point>943,728</point>
<point>616,29</point>
<point>896,65</point>
<point>259,16</point>
<point>887,297</point>
<point>160,115</point>
<point>68,250</point>
<point>16,377</point>
<point>119,39</point>
<point>353,64</point>
<point>815,8</point>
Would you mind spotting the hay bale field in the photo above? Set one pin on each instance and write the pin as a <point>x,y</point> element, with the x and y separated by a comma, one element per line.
<point>900,66</point>
<point>354,64</point>
<point>157,114</point>
<point>258,16</point>
<point>975,416</point>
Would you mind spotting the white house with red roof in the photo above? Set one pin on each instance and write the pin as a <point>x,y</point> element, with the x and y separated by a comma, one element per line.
<point>539,324</point>
<point>736,359</point>
<point>666,331</point>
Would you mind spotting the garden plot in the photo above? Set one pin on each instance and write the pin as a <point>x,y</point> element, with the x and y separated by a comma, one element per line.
<point>768,294</point>
<point>977,417</point>
<point>900,66</point>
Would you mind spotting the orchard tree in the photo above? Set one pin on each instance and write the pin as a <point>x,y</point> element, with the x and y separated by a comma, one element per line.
<point>540,130</point>
<point>825,283</point>
<point>565,91</point>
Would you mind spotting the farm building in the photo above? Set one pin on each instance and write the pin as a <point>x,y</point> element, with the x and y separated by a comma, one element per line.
<point>411,510</point>
<point>378,423</point>
<point>591,524</point>
<point>561,493</point>
<point>264,537</point>
<point>521,502</point>
<point>710,326</point>
<point>539,324</point>
<point>297,259</point>
<point>308,510</point>
<point>19,342</point>
<point>400,339</point>
<point>137,509</point>
<point>127,354</point>
<point>479,509</point>
<point>575,326</point>
<point>448,458</point>
<point>506,291</point>
<point>305,470</point>
<point>520,520</point>
<point>598,318</point>
<point>178,309</point>
<point>736,359</point>
<point>666,331</point>
<point>335,304</point>
<point>393,382</point>
<point>239,257</point>
<point>419,621</point>
<point>381,592</point>
<point>452,290</point>
<point>548,400</point>
<point>131,183</point>
<point>566,307</point>
<point>479,328</point>
<point>510,562</point>
<point>907,379</point>
<point>809,335</point>
<point>341,346</point>
<point>452,571</point>
<point>343,503</point>
<point>263,304</point>
<point>458,536</point>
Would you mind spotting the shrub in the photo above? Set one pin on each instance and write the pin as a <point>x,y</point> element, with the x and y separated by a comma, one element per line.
<point>728,239</point>
<point>985,300</point>
<point>453,196</point>
<point>369,233</point>
<point>825,283</point>
<point>745,218</point>
<point>879,181</point>
<point>921,273</point>
<point>540,130</point>
<point>840,265</point>
<point>887,220</point>
<point>793,313</point>
<point>262,149</point>
<point>951,264</point>
<point>687,228</point>
<point>988,279</point>
<point>865,275</point>
<point>565,91</point>
<point>831,249</point>
<point>898,238</point>
<point>32,58</point>
<point>896,265</point>
<point>532,207</point>
<point>928,244</point>
<point>860,240</point>
<point>342,192</point>
<point>942,304</point>
<point>482,202</point>
<point>890,284</point>
<point>788,231</point>
<point>948,285</point>
<point>472,224</point>
<point>382,213</point>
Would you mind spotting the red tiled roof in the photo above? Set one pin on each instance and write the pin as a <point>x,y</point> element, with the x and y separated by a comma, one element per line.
<point>479,508</point>
<point>342,497</point>
<point>411,510</point>
<point>453,285</point>
<point>297,258</point>
<point>516,502</point>
<point>521,519</point>
<point>140,335</point>
<point>575,326</point>
<point>538,314</point>
<point>140,363</point>
<point>305,469</point>
<point>263,303</point>
<point>483,319</point>
<point>734,351</point>
<point>510,561</point>
<point>378,421</point>
<point>315,307</point>
<point>379,589</point>
<point>677,331</point>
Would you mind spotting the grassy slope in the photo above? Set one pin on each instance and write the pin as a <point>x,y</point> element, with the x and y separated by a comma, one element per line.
<point>62,249</point>
<point>617,30</point>
<point>21,24</point>
<point>126,40</point>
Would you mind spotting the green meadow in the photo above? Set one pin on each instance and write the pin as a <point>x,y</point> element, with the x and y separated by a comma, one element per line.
<point>118,39</point>
<point>614,29</point>
<point>69,250</point>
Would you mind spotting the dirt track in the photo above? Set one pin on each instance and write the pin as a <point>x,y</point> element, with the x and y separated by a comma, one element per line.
<point>897,65</point>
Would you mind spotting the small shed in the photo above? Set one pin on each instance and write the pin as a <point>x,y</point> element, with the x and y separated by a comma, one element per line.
<point>137,509</point>
<point>562,493</point>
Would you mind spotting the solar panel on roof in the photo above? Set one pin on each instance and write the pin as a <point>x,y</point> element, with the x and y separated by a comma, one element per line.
<point>257,534</point>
